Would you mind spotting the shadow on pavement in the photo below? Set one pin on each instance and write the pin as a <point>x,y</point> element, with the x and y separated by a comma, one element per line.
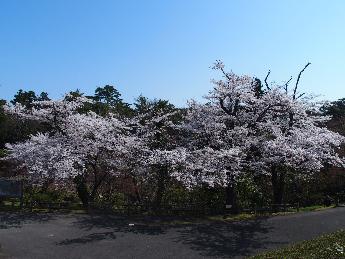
<point>215,239</point>
<point>226,239</point>
<point>199,239</point>
<point>89,238</point>
<point>112,224</point>
<point>17,219</point>
<point>119,224</point>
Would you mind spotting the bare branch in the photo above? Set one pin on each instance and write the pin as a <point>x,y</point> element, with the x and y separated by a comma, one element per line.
<point>300,95</point>
<point>221,102</point>
<point>298,78</point>
<point>269,72</point>
<point>287,84</point>
<point>225,74</point>
<point>236,106</point>
<point>230,111</point>
<point>291,121</point>
<point>268,108</point>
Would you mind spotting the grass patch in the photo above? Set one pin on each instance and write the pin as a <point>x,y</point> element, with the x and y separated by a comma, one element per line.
<point>315,208</point>
<point>238,217</point>
<point>185,220</point>
<point>241,216</point>
<point>325,246</point>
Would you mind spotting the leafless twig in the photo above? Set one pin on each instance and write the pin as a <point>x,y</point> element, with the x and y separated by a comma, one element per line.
<point>287,84</point>
<point>298,78</point>
<point>269,72</point>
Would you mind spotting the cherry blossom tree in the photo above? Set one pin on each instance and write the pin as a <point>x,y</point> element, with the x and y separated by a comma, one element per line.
<point>162,155</point>
<point>223,131</point>
<point>245,128</point>
<point>84,147</point>
<point>299,140</point>
<point>88,148</point>
<point>242,128</point>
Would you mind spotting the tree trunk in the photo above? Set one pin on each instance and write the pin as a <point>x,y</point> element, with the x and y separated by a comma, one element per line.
<point>278,185</point>
<point>137,193</point>
<point>82,190</point>
<point>161,185</point>
<point>231,197</point>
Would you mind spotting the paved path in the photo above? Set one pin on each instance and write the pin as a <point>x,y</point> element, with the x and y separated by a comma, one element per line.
<point>50,236</point>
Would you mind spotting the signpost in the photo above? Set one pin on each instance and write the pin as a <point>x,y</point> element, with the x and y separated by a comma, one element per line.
<point>11,189</point>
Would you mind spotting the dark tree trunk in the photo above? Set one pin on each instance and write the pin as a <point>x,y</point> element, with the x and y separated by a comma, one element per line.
<point>137,193</point>
<point>82,190</point>
<point>161,186</point>
<point>278,185</point>
<point>231,197</point>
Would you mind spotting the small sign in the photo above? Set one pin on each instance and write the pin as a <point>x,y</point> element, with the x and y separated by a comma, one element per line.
<point>11,188</point>
<point>228,206</point>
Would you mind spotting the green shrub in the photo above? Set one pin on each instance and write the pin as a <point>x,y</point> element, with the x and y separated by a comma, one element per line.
<point>326,246</point>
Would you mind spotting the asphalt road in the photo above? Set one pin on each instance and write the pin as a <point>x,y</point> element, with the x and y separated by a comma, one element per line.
<point>50,236</point>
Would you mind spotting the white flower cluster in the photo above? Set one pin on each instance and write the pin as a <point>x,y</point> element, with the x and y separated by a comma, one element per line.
<point>240,129</point>
<point>78,141</point>
<point>260,128</point>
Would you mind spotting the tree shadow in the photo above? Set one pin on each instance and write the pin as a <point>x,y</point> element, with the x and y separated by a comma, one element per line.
<point>89,238</point>
<point>114,224</point>
<point>140,225</point>
<point>17,219</point>
<point>207,238</point>
<point>215,239</point>
<point>233,239</point>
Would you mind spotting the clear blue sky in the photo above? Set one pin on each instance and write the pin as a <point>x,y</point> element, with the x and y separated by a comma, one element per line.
<point>164,49</point>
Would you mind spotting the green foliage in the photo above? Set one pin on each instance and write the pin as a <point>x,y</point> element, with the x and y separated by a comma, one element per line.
<point>250,194</point>
<point>2,103</point>
<point>155,108</point>
<point>143,105</point>
<point>326,246</point>
<point>336,109</point>
<point>105,100</point>
<point>3,153</point>
<point>43,97</point>
<point>108,99</point>
<point>48,195</point>
<point>26,98</point>
<point>258,87</point>
<point>13,129</point>
<point>107,94</point>
<point>72,95</point>
<point>203,199</point>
